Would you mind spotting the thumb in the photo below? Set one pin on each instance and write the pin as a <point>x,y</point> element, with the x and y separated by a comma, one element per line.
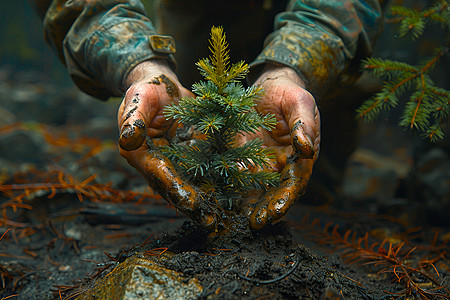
<point>304,124</point>
<point>135,114</point>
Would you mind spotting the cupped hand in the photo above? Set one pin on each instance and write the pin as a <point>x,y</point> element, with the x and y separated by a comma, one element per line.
<point>296,138</point>
<point>296,141</point>
<point>143,127</point>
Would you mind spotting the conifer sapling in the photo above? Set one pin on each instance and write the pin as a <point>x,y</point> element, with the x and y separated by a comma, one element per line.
<point>222,109</point>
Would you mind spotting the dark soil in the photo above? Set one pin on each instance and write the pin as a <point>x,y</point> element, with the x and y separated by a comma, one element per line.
<point>288,260</point>
<point>264,264</point>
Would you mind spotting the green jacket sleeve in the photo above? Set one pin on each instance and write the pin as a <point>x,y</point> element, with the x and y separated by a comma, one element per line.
<point>323,40</point>
<point>100,41</point>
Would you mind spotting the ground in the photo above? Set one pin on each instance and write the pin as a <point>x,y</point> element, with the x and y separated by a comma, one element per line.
<point>73,211</point>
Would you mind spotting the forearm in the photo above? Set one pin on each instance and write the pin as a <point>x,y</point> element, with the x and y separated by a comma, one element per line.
<point>321,40</point>
<point>101,41</point>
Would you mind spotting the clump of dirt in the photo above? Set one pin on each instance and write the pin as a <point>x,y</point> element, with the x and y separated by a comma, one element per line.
<point>252,264</point>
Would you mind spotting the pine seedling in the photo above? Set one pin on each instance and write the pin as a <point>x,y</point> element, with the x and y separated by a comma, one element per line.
<point>222,109</point>
<point>427,107</point>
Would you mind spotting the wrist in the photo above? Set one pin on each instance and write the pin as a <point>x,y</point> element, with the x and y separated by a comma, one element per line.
<point>273,71</point>
<point>146,68</point>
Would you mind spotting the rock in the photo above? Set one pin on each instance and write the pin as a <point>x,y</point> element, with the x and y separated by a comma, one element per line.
<point>371,175</point>
<point>429,189</point>
<point>143,278</point>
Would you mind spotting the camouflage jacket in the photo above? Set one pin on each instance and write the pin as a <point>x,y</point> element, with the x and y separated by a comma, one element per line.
<point>100,41</point>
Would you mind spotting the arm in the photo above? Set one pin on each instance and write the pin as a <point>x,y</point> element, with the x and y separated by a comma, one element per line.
<point>101,41</point>
<point>109,47</point>
<point>323,41</point>
<point>315,44</point>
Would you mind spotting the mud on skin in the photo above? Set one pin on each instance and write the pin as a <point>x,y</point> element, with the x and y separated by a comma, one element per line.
<point>171,87</point>
<point>133,135</point>
<point>163,178</point>
<point>303,149</point>
<point>278,200</point>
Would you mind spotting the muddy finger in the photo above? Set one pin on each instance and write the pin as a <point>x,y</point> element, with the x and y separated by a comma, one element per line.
<point>133,135</point>
<point>162,177</point>
<point>131,124</point>
<point>277,201</point>
<point>301,140</point>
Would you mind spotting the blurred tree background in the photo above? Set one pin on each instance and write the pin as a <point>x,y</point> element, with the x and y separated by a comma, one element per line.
<point>22,45</point>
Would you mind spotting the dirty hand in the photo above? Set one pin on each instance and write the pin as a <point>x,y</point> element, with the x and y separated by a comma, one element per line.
<point>151,86</point>
<point>295,140</point>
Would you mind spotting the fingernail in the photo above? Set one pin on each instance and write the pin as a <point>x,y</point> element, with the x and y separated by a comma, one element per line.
<point>208,221</point>
<point>301,141</point>
<point>259,218</point>
<point>133,136</point>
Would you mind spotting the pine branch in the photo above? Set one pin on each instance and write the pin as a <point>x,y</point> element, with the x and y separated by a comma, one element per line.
<point>219,49</point>
<point>186,157</point>
<point>440,112</point>
<point>240,99</point>
<point>247,181</point>
<point>392,259</point>
<point>250,122</point>
<point>387,68</point>
<point>414,22</point>
<point>416,113</point>
<point>251,154</point>
<point>426,107</point>
<point>237,72</point>
<point>216,69</point>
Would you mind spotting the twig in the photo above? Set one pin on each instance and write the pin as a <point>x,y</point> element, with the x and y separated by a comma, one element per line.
<point>271,280</point>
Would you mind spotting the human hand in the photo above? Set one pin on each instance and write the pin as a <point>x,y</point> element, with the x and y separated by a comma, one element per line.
<point>295,139</point>
<point>143,127</point>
